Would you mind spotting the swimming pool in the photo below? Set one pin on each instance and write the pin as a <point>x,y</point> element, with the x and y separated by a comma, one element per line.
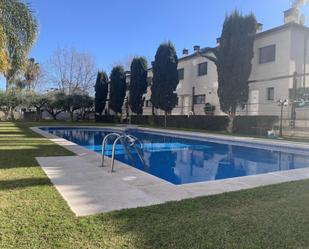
<point>182,160</point>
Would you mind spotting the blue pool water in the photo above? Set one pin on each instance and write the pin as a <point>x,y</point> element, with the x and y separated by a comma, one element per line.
<point>185,160</point>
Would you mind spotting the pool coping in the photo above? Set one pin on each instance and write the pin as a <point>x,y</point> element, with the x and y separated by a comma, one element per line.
<point>89,189</point>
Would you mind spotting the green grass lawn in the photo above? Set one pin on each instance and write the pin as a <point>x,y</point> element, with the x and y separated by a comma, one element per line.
<point>34,215</point>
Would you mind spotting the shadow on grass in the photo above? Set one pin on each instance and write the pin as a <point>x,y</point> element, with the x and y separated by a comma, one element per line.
<point>3,133</point>
<point>25,157</point>
<point>17,152</point>
<point>265,217</point>
<point>23,183</point>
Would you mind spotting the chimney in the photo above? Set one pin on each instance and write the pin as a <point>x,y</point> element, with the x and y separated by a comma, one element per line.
<point>185,51</point>
<point>196,48</point>
<point>259,27</point>
<point>302,20</point>
<point>291,16</point>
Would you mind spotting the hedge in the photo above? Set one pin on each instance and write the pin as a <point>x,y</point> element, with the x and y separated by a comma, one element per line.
<point>203,122</point>
<point>257,125</point>
<point>253,125</point>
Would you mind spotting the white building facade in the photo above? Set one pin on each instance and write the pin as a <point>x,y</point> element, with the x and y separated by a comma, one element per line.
<point>278,54</point>
<point>197,86</point>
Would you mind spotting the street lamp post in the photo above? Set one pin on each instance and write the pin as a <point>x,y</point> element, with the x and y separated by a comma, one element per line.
<point>305,60</point>
<point>293,104</point>
<point>281,103</point>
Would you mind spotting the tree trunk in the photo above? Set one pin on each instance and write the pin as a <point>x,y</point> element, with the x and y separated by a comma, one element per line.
<point>7,84</point>
<point>12,114</point>
<point>71,116</point>
<point>230,127</point>
<point>38,114</point>
<point>6,114</point>
<point>165,117</point>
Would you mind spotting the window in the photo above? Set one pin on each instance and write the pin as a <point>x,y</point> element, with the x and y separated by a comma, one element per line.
<point>181,74</point>
<point>149,81</point>
<point>199,99</point>
<point>270,93</point>
<point>267,54</point>
<point>202,69</point>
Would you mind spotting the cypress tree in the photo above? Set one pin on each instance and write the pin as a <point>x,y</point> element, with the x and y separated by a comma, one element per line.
<point>233,60</point>
<point>138,84</point>
<point>165,78</point>
<point>101,91</point>
<point>117,88</point>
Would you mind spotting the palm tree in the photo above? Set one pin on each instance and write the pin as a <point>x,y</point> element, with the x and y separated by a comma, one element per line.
<point>20,28</point>
<point>4,60</point>
<point>32,72</point>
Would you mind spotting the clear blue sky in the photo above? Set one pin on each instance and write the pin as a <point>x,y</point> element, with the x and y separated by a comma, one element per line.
<point>113,30</point>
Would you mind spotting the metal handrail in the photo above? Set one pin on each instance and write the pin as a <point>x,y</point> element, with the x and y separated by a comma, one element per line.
<point>113,152</point>
<point>104,142</point>
<point>132,143</point>
<point>135,139</point>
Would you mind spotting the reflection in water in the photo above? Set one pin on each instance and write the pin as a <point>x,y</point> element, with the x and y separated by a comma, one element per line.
<point>179,160</point>
<point>163,164</point>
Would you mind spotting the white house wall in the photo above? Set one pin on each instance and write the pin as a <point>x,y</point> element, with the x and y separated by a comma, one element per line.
<point>205,84</point>
<point>281,65</point>
<point>289,41</point>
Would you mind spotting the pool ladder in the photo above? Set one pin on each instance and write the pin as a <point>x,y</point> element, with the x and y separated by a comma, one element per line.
<point>123,139</point>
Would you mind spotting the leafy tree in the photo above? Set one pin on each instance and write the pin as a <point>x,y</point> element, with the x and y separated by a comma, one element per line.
<point>32,72</point>
<point>20,28</point>
<point>117,88</point>
<point>39,102</point>
<point>233,60</point>
<point>101,91</point>
<point>74,102</point>
<point>54,104</point>
<point>9,101</point>
<point>138,84</point>
<point>87,104</point>
<point>165,78</point>
<point>71,104</point>
<point>3,103</point>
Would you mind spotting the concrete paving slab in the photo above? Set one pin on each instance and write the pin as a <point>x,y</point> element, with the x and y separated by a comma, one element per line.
<point>89,189</point>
